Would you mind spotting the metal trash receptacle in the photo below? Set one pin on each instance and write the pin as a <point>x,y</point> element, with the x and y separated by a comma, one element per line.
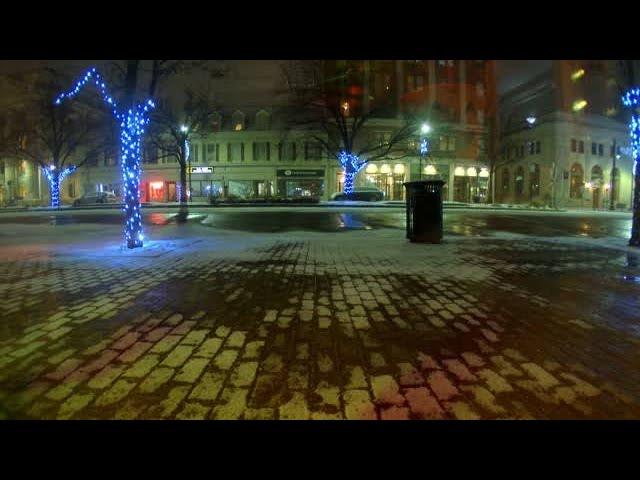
<point>424,211</point>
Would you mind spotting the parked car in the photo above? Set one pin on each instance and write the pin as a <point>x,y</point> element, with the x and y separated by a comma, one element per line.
<point>96,198</point>
<point>365,194</point>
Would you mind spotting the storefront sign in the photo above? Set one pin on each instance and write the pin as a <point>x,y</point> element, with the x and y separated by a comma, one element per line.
<point>201,169</point>
<point>300,173</point>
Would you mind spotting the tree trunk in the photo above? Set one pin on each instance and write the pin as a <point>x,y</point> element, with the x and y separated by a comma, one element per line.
<point>634,241</point>
<point>54,188</point>
<point>184,205</point>
<point>130,142</point>
<point>349,178</point>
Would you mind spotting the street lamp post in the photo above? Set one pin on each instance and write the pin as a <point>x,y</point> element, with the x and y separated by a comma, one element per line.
<point>424,144</point>
<point>612,205</point>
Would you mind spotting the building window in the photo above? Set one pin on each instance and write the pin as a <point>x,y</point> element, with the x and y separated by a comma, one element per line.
<point>286,151</point>
<point>72,189</point>
<point>195,152</point>
<point>576,181</point>
<point>574,145</point>
<point>505,180</point>
<point>600,150</point>
<point>263,120</point>
<point>594,148</point>
<point>447,143</point>
<point>519,181</point>
<point>538,146</point>
<point>580,146</point>
<point>261,151</point>
<point>312,151</point>
<point>235,152</point>
<point>238,121</point>
<point>212,152</point>
<point>534,180</point>
<point>532,148</point>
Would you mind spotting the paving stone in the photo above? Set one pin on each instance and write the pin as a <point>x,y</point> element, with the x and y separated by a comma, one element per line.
<point>427,362</point>
<point>505,368</point>
<point>193,411</point>
<point>178,356</point>
<point>233,404</point>
<point>422,404</point>
<point>394,413</point>
<point>441,385</point>
<point>156,379</point>
<point>244,374</point>
<point>544,378</point>
<point>142,367</point>
<point>473,360</point>
<point>117,392</point>
<point>462,411</point>
<point>495,382</point>
<point>410,376</point>
<point>358,405</point>
<point>386,391</point>
<point>170,404</point>
<point>191,370</point>
<point>209,348</point>
<point>73,405</point>
<point>295,409</point>
<point>457,368</point>
<point>195,337</point>
<point>105,377</point>
<point>580,386</point>
<point>259,414</point>
<point>134,352</point>
<point>356,378</point>
<point>209,386</point>
<point>485,399</point>
<point>225,359</point>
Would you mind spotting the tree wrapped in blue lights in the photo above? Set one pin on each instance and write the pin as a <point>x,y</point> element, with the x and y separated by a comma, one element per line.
<point>632,100</point>
<point>55,177</point>
<point>337,115</point>
<point>132,122</point>
<point>352,166</point>
<point>57,139</point>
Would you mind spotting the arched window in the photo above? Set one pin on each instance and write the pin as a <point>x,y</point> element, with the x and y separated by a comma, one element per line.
<point>576,182</point>
<point>237,121</point>
<point>615,184</point>
<point>519,181</point>
<point>534,180</point>
<point>263,120</point>
<point>505,180</point>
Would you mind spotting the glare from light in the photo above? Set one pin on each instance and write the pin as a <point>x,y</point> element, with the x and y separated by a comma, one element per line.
<point>425,129</point>
<point>579,105</point>
<point>577,74</point>
<point>430,170</point>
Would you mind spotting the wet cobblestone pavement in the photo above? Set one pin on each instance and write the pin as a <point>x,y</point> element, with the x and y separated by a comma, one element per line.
<point>358,325</point>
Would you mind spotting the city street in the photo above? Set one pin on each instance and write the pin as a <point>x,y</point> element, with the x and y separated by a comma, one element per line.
<point>319,313</point>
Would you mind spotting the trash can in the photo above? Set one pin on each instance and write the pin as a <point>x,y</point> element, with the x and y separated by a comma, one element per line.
<point>424,211</point>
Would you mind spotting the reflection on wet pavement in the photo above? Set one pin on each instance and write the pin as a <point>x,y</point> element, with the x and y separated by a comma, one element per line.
<point>457,223</point>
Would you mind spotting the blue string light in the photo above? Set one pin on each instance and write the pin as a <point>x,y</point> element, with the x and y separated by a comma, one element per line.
<point>132,123</point>
<point>352,165</point>
<point>424,146</point>
<point>632,99</point>
<point>55,180</point>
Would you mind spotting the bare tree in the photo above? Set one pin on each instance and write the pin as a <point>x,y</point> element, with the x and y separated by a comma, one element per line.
<point>57,139</point>
<point>173,128</point>
<point>337,119</point>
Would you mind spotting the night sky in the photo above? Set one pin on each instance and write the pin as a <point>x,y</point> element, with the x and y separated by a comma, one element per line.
<point>511,73</point>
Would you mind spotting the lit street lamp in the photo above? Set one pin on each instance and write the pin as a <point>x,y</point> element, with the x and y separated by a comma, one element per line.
<point>425,129</point>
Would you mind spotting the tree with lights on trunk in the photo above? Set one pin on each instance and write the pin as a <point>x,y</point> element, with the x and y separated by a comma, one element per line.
<point>332,110</point>
<point>132,115</point>
<point>58,140</point>
<point>631,100</point>
<point>174,128</point>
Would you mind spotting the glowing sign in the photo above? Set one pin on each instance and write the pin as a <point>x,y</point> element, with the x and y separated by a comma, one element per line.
<point>201,169</point>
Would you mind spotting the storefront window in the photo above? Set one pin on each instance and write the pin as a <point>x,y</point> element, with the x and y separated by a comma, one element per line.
<point>297,188</point>
<point>387,178</point>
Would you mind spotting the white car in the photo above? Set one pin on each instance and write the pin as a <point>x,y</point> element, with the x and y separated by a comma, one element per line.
<point>96,198</point>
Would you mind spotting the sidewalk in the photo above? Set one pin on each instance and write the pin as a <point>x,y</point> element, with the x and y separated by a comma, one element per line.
<point>315,326</point>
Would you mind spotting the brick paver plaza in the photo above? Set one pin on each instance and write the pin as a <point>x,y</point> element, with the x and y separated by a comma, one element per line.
<point>354,325</point>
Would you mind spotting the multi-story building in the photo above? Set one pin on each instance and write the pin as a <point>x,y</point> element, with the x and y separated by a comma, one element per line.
<point>456,98</point>
<point>564,139</point>
<point>250,150</point>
